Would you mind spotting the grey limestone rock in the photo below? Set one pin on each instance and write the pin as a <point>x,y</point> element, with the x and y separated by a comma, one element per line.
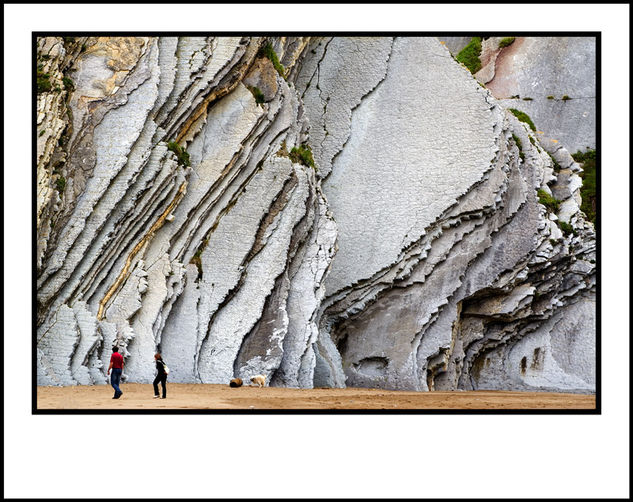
<point>413,254</point>
<point>552,79</point>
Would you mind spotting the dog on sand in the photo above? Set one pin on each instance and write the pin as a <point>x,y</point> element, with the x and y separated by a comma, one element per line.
<point>259,380</point>
<point>236,382</point>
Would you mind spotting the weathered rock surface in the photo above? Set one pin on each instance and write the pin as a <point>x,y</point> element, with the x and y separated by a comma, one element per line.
<point>534,74</point>
<point>416,255</point>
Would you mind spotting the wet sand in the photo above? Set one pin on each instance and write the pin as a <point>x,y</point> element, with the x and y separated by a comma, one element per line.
<point>216,396</point>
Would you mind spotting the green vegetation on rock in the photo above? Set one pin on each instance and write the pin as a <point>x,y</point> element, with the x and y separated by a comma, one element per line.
<point>257,93</point>
<point>60,184</point>
<point>550,97</point>
<point>268,51</point>
<point>523,117</point>
<point>302,155</point>
<point>548,201</point>
<point>68,83</point>
<point>43,82</point>
<point>566,228</point>
<point>565,97</point>
<point>519,146</point>
<point>556,164</point>
<point>469,55</point>
<point>588,189</point>
<point>181,153</point>
<point>505,42</point>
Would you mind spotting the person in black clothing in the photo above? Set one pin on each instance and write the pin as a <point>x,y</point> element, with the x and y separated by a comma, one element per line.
<point>161,376</point>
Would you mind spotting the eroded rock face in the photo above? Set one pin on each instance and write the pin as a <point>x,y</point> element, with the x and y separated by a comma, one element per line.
<point>552,79</point>
<point>415,256</point>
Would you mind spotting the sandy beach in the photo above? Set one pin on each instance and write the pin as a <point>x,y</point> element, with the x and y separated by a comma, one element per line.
<point>216,396</point>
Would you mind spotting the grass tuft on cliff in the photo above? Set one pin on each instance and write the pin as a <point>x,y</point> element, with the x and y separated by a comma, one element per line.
<point>504,42</point>
<point>43,81</point>
<point>469,55</point>
<point>588,189</point>
<point>548,201</point>
<point>519,146</point>
<point>523,117</point>
<point>268,51</point>
<point>302,155</point>
<point>181,153</point>
<point>566,228</point>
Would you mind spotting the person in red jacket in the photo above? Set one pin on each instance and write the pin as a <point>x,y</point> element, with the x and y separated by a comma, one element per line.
<point>116,365</point>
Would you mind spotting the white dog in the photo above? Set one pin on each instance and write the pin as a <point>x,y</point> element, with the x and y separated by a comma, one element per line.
<point>259,380</point>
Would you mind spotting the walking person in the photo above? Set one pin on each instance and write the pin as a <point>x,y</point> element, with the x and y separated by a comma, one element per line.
<point>116,365</point>
<point>161,376</point>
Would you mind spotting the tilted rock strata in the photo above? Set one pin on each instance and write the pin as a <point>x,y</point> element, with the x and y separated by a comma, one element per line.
<point>416,256</point>
<point>148,235</point>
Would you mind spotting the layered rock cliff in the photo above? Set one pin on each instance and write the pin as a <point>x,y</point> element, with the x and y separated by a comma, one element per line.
<point>327,211</point>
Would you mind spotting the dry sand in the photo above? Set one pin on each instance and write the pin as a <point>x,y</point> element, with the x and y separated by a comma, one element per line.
<point>212,396</point>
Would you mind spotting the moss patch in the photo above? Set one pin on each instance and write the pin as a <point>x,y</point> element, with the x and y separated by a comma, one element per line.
<point>523,117</point>
<point>181,153</point>
<point>469,55</point>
